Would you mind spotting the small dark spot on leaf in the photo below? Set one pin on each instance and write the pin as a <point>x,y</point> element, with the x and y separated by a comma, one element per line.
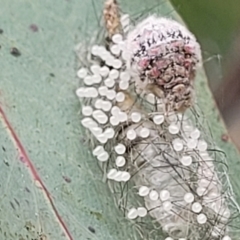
<point>91,229</point>
<point>225,137</point>
<point>97,215</point>
<point>67,179</point>
<point>15,52</point>
<point>33,27</point>
<point>12,205</point>
<point>29,226</point>
<point>51,75</point>
<point>22,159</point>
<point>17,202</point>
<point>3,148</point>
<point>1,31</point>
<point>6,162</point>
<point>42,237</point>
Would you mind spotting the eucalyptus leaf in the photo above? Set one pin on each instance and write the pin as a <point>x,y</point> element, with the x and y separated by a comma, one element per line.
<point>51,186</point>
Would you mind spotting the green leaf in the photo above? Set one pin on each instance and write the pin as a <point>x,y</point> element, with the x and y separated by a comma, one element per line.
<point>50,183</point>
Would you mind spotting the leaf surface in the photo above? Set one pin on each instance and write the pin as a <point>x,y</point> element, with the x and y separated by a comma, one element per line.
<point>50,184</point>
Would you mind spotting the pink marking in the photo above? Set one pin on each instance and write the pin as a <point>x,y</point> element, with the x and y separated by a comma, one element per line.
<point>189,49</point>
<point>154,72</point>
<point>26,160</point>
<point>161,64</point>
<point>180,58</point>
<point>177,43</point>
<point>187,63</point>
<point>154,51</point>
<point>143,63</point>
<point>22,159</point>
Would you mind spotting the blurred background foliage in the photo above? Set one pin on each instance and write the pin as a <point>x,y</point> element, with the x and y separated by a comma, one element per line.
<point>216,23</point>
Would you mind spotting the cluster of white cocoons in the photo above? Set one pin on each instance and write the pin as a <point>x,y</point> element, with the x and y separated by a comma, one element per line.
<point>99,87</point>
<point>165,197</point>
<point>137,212</point>
<point>102,115</point>
<point>187,143</point>
<point>189,138</point>
<point>118,176</point>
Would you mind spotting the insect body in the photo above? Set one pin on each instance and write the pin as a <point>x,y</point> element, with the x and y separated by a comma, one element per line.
<point>164,55</point>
